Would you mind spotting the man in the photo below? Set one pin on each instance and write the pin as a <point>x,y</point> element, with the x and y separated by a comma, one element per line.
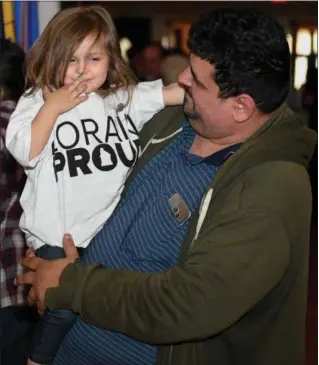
<point>206,257</point>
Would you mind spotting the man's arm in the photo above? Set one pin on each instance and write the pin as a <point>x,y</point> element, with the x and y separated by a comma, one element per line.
<point>243,259</point>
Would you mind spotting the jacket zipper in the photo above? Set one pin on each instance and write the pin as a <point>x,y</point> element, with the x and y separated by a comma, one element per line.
<point>170,355</point>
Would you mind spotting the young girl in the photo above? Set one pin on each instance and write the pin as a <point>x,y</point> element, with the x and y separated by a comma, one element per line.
<point>75,132</point>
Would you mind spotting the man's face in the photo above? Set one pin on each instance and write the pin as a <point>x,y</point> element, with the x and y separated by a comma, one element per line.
<point>210,116</point>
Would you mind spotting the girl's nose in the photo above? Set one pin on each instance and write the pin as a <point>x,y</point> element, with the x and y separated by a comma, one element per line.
<point>80,70</point>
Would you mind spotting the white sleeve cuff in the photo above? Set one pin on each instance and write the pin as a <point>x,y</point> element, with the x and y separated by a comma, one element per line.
<point>147,100</point>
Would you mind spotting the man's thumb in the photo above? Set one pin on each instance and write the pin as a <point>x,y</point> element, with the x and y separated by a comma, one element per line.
<point>69,248</point>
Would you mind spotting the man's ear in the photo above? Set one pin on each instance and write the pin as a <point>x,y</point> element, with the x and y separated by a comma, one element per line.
<point>243,108</point>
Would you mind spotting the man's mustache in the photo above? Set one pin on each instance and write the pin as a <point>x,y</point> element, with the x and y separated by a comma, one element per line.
<point>190,114</point>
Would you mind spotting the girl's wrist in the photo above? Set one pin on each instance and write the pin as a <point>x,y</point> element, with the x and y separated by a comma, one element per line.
<point>51,109</point>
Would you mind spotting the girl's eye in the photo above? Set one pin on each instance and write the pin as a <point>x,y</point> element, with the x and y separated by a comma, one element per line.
<point>72,60</point>
<point>94,59</point>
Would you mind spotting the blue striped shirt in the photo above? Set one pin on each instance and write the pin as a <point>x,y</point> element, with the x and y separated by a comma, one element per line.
<point>142,235</point>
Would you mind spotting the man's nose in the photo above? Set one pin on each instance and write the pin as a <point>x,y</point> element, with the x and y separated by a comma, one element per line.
<point>185,77</point>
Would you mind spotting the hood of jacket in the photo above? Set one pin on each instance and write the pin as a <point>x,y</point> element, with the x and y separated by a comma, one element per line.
<point>284,137</point>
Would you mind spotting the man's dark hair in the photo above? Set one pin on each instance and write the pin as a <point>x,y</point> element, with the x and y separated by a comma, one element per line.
<point>249,51</point>
<point>12,77</point>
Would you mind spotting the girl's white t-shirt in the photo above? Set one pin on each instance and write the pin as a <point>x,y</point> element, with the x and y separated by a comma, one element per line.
<point>75,183</point>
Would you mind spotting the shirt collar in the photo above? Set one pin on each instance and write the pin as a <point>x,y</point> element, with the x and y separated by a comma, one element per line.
<point>219,157</point>
<point>216,159</point>
<point>188,135</point>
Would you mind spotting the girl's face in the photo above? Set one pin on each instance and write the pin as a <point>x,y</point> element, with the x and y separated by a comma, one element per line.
<point>91,61</point>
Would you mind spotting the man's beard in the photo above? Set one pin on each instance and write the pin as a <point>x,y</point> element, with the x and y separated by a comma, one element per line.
<point>190,114</point>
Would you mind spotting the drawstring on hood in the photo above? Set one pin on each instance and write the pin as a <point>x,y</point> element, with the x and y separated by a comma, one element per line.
<point>202,212</point>
<point>159,140</point>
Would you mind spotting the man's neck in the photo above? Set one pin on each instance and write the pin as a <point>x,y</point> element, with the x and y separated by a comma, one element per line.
<point>204,147</point>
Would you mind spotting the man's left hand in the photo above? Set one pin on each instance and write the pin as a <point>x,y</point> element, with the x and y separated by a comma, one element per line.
<point>45,274</point>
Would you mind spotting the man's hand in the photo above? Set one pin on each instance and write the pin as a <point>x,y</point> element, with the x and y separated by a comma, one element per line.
<point>45,274</point>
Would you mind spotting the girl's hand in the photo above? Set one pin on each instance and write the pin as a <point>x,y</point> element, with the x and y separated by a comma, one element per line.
<point>65,98</point>
<point>173,94</point>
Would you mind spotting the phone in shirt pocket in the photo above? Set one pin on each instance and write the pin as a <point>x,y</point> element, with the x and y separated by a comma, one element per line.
<point>179,208</point>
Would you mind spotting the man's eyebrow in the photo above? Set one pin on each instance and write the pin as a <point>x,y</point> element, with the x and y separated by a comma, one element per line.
<point>196,78</point>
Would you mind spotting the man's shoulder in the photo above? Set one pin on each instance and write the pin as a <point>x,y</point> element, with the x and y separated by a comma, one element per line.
<point>280,187</point>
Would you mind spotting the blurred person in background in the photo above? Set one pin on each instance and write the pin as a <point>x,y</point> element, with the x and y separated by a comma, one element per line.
<point>152,55</point>
<point>173,64</point>
<point>293,100</point>
<point>136,62</point>
<point>309,103</point>
<point>309,97</point>
<point>16,319</point>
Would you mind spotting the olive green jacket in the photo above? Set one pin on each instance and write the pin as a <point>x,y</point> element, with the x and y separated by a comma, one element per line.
<point>238,294</point>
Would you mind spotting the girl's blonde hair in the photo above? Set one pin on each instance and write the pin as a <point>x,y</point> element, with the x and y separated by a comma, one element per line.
<point>48,59</point>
